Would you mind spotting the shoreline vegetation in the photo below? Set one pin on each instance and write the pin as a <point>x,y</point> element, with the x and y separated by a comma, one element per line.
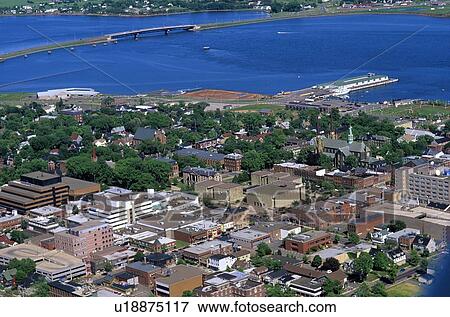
<point>68,45</point>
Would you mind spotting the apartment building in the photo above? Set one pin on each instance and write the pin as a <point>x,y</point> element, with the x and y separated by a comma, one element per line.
<point>249,239</point>
<point>233,162</point>
<point>220,191</point>
<point>426,183</point>
<point>145,272</point>
<point>9,221</point>
<point>209,158</point>
<point>120,207</point>
<point>231,284</point>
<point>193,175</point>
<point>200,253</point>
<point>86,239</point>
<point>33,190</point>
<point>307,241</point>
<point>199,231</point>
<point>365,223</point>
<point>221,262</point>
<point>179,279</point>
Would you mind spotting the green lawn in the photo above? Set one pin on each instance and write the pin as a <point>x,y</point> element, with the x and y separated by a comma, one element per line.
<point>404,289</point>
<point>14,99</point>
<point>10,3</point>
<point>372,277</point>
<point>259,107</point>
<point>181,244</point>
<point>415,111</point>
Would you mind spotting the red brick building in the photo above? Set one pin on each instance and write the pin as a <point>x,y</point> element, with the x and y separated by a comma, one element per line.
<point>233,162</point>
<point>365,223</point>
<point>303,243</point>
<point>83,240</point>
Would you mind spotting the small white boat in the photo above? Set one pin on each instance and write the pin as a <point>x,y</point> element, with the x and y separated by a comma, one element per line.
<point>206,48</point>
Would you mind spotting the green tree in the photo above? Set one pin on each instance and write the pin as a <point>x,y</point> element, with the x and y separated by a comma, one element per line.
<point>317,261</point>
<point>108,266</point>
<point>24,268</point>
<point>253,161</point>
<point>414,258</point>
<point>424,264</point>
<point>139,256</point>
<point>279,291</point>
<point>362,265</point>
<point>331,264</point>
<point>325,161</point>
<point>18,236</point>
<point>181,262</point>
<point>363,290</point>
<point>41,289</point>
<point>187,294</point>
<point>378,289</point>
<point>381,262</point>
<point>337,239</point>
<point>24,224</point>
<point>396,225</point>
<point>351,161</point>
<point>392,272</point>
<point>263,249</point>
<point>353,238</point>
<point>332,288</point>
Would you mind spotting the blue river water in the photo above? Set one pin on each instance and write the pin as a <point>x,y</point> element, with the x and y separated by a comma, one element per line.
<point>264,58</point>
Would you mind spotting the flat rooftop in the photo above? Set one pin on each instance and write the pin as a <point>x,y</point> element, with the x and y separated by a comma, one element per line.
<point>76,184</point>
<point>310,235</point>
<point>180,273</point>
<point>207,246</point>
<point>248,234</point>
<point>47,261</point>
<point>45,211</point>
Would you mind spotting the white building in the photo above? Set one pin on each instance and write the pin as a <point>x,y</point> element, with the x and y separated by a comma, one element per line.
<point>66,93</point>
<point>120,207</point>
<point>220,262</point>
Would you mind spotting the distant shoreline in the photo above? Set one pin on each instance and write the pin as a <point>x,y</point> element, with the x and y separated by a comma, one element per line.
<point>306,13</point>
<point>126,15</point>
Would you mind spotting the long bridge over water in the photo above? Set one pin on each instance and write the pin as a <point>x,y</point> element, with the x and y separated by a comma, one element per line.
<point>165,29</point>
<point>113,37</point>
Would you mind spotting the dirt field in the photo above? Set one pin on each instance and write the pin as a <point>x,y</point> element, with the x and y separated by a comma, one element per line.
<point>212,94</point>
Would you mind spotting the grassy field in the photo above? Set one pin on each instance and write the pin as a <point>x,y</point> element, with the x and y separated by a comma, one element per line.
<point>258,107</point>
<point>10,3</point>
<point>415,111</point>
<point>13,99</point>
<point>181,244</point>
<point>405,289</point>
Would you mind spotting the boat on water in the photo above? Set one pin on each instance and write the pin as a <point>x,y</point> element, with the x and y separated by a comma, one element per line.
<point>26,56</point>
<point>206,48</point>
<point>49,52</point>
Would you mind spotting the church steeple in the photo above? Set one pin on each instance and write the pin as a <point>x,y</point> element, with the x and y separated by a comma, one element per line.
<point>350,135</point>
